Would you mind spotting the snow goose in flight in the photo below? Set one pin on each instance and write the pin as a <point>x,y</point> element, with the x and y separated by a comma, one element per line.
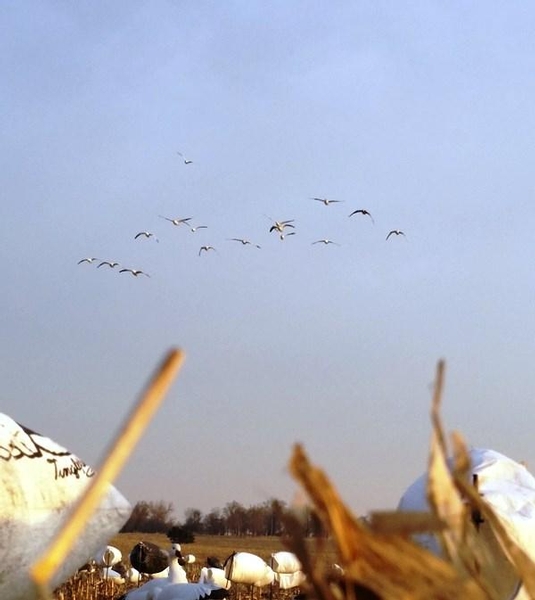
<point>395,232</point>
<point>206,249</point>
<point>282,235</point>
<point>134,272</point>
<point>243,242</point>
<point>187,161</point>
<point>325,241</point>
<point>362,211</point>
<point>88,260</point>
<point>146,234</point>
<point>326,201</point>
<point>280,226</point>
<point>176,222</point>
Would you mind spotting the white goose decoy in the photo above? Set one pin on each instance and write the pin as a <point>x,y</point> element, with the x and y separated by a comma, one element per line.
<point>107,558</point>
<point>213,574</point>
<point>185,591</point>
<point>509,490</point>
<point>133,575</point>
<point>153,588</point>
<point>245,567</point>
<point>45,482</point>
<point>175,586</point>
<point>109,573</point>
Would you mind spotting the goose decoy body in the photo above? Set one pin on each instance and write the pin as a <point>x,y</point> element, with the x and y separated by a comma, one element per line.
<point>173,587</point>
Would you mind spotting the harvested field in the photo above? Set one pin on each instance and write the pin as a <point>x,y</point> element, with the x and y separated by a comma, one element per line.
<point>483,556</point>
<point>91,587</point>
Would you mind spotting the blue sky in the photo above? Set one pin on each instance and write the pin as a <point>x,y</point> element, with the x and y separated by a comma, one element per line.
<point>420,112</point>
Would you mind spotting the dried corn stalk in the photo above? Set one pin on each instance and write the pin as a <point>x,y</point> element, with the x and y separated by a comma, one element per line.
<point>380,560</point>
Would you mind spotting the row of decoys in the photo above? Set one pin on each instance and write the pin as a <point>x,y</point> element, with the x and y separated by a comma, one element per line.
<point>169,581</point>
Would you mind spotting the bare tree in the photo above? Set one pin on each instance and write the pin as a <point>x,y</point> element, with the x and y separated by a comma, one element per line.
<point>194,520</point>
<point>275,509</point>
<point>213,523</point>
<point>234,514</point>
<point>150,517</point>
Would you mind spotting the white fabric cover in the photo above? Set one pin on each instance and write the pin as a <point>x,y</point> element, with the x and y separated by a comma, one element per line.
<point>109,573</point>
<point>40,482</point>
<point>285,562</point>
<point>245,567</point>
<point>133,575</point>
<point>214,577</point>
<point>267,578</point>
<point>288,581</point>
<point>506,485</point>
<point>107,556</point>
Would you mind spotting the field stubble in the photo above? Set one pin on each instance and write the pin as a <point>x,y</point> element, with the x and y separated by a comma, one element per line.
<point>91,587</point>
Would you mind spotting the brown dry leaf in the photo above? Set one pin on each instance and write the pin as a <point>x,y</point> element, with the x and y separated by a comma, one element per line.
<point>380,561</point>
<point>404,523</point>
<point>442,494</point>
<point>389,565</point>
<point>460,540</point>
<point>317,574</point>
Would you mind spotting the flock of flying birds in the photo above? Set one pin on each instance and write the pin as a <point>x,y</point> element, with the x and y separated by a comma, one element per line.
<point>281,228</point>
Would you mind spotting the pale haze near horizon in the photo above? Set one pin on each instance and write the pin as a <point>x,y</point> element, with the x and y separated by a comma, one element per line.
<point>420,113</point>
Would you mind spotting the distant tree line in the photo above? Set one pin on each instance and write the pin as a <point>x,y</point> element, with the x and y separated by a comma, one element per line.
<point>234,519</point>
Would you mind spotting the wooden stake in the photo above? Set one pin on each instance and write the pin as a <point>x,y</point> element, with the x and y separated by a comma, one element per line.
<point>44,569</point>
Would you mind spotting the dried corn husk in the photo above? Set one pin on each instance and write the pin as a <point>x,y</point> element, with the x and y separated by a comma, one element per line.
<point>477,556</point>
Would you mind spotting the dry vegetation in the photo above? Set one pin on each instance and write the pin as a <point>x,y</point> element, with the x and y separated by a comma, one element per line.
<point>378,559</point>
<point>214,545</point>
<point>381,562</point>
<point>84,587</point>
